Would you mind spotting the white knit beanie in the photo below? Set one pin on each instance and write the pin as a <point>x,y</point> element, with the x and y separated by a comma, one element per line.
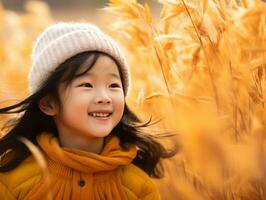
<point>61,41</point>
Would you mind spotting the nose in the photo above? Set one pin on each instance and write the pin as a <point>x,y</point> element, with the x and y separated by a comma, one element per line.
<point>103,98</point>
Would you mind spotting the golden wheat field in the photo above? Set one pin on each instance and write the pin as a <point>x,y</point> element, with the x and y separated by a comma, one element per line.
<point>200,68</point>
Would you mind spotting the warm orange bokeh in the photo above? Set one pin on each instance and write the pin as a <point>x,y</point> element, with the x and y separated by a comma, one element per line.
<point>200,68</point>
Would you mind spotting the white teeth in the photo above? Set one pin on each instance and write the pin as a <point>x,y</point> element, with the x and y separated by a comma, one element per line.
<point>100,114</point>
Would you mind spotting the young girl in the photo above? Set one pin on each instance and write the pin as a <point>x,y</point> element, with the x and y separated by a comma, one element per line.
<point>76,114</point>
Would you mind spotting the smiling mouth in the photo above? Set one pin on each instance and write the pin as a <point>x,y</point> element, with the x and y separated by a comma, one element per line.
<point>100,115</point>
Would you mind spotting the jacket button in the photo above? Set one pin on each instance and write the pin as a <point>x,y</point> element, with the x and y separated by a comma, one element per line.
<point>81,183</point>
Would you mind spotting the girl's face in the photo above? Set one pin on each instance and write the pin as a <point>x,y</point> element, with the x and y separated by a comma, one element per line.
<point>93,104</point>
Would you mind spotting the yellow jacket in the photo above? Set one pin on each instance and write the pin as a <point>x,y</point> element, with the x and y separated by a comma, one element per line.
<point>78,175</point>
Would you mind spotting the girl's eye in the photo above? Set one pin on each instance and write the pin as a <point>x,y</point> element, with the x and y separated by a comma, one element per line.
<point>85,85</point>
<point>115,85</point>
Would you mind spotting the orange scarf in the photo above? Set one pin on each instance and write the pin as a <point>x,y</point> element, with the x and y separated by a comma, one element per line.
<point>68,167</point>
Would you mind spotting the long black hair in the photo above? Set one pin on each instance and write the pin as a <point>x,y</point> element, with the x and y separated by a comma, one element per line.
<point>33,121</point>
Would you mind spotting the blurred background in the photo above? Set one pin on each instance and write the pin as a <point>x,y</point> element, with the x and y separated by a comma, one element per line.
<point>201,68</point>
<point>88,10</point>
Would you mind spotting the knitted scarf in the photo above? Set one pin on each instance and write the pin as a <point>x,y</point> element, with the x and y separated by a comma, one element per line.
<point>76,174</point>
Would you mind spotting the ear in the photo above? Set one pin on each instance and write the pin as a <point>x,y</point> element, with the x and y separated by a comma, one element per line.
<point>47,105</point>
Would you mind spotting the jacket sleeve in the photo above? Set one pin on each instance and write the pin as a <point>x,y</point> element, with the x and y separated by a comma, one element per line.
<point>150,191</point>
<point>152,196</point>
<point>139,184</point>
<point>5,193</point>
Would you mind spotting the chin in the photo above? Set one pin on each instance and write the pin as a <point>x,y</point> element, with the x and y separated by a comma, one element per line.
<point>101,134</point>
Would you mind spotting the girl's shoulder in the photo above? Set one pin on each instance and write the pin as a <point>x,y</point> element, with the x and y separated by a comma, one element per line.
<point>138,184</point>
<point>20,180</point>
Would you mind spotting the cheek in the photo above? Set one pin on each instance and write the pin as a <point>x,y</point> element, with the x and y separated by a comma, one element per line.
<point>119,103</point>
<point>73,107</point>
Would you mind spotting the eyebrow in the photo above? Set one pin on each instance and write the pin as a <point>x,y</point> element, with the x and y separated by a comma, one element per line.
<point>114,75</point>
<point>110,74</point>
